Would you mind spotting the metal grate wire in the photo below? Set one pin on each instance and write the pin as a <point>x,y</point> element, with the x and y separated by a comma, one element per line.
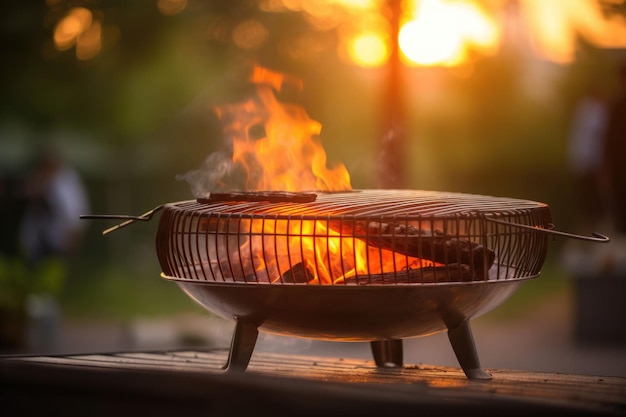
<point>363,237</point>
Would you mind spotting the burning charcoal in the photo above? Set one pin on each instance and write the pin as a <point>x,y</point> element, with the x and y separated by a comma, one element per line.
<point>424,244</point>
<point>432,245</point>
<point>428,275</point>
<point>298,274</point>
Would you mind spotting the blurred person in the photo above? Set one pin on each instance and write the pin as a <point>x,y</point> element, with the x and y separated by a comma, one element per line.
<point>49,234</point>
<point>586,155</point>
<point>615,154</point>
<point>586,149</point>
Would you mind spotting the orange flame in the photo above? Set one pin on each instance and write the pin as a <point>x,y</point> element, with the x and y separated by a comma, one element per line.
<point>274,247</point>
<point>276,145</point>
<point>287,156</point>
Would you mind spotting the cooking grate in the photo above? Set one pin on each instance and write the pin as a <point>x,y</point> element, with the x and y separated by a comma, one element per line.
<point>363,237</point>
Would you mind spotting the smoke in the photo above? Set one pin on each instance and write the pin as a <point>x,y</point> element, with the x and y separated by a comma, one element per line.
<point>211,176</point>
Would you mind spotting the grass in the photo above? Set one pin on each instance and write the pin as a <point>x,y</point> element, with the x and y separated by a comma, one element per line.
<point>552,281</point>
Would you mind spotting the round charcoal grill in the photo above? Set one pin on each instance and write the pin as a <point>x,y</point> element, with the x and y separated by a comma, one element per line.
<point>287,264</point>
<point>363,265</point>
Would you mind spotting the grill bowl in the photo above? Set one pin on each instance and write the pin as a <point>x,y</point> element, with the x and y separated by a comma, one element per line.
<point>236,258</point>
<point>350,313</point>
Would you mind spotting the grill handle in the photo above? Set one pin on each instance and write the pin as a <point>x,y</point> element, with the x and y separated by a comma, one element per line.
<point>129,219</point>
<point>595,237</point>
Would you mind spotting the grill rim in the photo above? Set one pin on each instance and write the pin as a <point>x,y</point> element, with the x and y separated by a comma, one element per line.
<point>184,224</point>
<point>342,285</point>
<point>388,204</point>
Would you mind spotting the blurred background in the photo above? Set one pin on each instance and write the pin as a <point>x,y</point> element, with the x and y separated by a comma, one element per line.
<point>112,100</point>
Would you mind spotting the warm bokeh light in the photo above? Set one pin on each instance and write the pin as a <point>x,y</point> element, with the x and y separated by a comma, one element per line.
<point>448,32</point>
<point>89,42</point>
<point>369,49</point>
<point>171,7</point>
<point>432,33</point>
<point>554,27</point>
<point>440,32</point>
<point>361,24</point>
<point>71,27</point>
<point>250,34</point>
<point>79,28</point>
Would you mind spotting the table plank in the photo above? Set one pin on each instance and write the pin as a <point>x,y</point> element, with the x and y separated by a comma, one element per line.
<point>344,381</point>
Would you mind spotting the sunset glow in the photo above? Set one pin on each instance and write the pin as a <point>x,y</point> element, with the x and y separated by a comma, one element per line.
<point>553,29</point>
<point>432,32</point>
<point>369,49</point>
<point>450,32</point>
<point>441,32</point>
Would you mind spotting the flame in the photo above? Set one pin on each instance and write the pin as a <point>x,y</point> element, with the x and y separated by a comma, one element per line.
<point>276,145</point>
<point>287,155</point>
<point>274,247</point>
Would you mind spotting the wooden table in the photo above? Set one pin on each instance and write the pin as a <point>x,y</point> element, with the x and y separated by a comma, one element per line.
<point>191,382</point>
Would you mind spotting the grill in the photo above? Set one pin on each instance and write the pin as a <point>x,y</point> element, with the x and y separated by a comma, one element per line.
<point>269,238</point>
<point>287,264</point>
<point>365,265</point>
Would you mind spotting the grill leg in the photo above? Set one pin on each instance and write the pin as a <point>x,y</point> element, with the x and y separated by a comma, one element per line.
<point>462,342</point>
<point>387,353</point>
<point>241,346</point>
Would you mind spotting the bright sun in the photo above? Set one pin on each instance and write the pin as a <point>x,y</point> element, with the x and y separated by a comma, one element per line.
<point>440,32</point>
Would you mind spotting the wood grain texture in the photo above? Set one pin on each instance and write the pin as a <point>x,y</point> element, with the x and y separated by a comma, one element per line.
<point>192,380</point>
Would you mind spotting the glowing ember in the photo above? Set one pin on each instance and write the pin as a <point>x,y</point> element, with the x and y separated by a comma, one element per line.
<point>274,247</point>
